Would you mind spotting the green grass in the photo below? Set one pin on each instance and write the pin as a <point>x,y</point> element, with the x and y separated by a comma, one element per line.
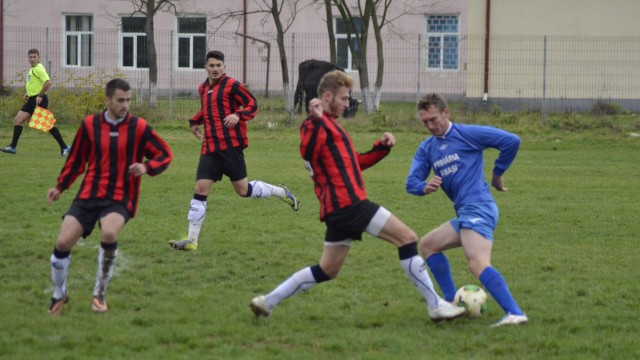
<point>566,244</point>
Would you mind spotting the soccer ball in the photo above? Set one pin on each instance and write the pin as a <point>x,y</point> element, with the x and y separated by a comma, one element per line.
<point>473,299</point>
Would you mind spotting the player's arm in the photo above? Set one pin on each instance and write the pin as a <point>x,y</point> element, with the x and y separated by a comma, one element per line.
<point>74,166</point>
<point>380,149</point>
<point>416,183</point>
<point>159,154</point>
<point>247,105</point>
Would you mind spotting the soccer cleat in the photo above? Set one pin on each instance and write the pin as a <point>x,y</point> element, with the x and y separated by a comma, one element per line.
<point>9,150</point>
<point>57,304</point>
<point>259,306</point>
<point>445,311</point>
<point>65,151</point>
<point>289,198</point>
<point>99,304</point>
<point>186,245</point>
<point>510,319</point>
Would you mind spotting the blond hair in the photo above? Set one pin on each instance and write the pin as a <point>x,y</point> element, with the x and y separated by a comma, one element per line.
<point>334,80</point>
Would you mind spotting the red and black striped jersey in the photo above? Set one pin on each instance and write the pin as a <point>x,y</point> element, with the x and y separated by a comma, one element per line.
<point>219,100</point>
<point>334,165</point>
<point>104,152</point>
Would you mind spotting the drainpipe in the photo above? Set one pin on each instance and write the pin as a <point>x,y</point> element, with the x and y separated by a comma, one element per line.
<point>244,43</point>
<point>487,34</point>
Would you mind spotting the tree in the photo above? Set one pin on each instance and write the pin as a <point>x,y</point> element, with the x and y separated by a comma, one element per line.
<point>283,14</point>
<point>150,8</point>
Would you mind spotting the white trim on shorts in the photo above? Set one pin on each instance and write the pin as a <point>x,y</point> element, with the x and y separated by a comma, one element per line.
<point>377,222</point>
<point>345,242</point>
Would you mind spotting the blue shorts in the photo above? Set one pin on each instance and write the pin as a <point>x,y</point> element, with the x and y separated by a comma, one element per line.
<point>481,217</point>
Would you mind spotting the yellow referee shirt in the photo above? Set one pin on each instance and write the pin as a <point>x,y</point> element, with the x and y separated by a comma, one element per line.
<point>35,79</point>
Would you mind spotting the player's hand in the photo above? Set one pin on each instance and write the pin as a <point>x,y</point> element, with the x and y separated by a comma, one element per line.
<point>26,97</point>
<point>195,130</point>
<point>137,169</point>
<point>388,139</point>
<point>231,120</point>
<point>315,108</point>
<point>498,183</point>
<point>38,100</point>
<point>432,185</point>
<point>53,195</point>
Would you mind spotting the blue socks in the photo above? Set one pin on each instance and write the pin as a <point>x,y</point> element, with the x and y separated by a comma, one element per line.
<point>497,287</point>
<point>439,266</point>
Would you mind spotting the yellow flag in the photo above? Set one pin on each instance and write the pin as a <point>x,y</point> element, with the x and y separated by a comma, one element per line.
<point>42,119</point>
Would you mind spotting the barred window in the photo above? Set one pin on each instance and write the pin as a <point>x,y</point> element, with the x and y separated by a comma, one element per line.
<point>134,51</point>
<point>345,59</point>
<point>78,40</point>
<point>443,36</point>
<point>192,42</point>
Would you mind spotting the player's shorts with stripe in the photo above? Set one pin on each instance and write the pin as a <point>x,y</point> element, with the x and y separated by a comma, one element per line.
<point>351,222</point>
<point>228,162</point>
<point>89,212</point>
<point>481,217</point>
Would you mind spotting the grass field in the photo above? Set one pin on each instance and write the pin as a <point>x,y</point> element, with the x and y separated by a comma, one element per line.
<point>566,244</point>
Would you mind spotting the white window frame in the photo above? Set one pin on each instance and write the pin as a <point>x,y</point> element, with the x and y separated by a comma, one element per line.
<point>122,35</point>
<point>343,36</point>
<point>189,36</point>
<point>78,34</point>
<point>442,35</point>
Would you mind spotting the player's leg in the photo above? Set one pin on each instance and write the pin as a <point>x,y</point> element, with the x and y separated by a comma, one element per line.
<point>110,226</point>
<point>208,172</point>
<point>235,167</point>
<point>333,257</point>
<point>432,246</point>
<point>70,232</point>
<point>387,227</point>
<point>477,250</point>
<point>19,120</point>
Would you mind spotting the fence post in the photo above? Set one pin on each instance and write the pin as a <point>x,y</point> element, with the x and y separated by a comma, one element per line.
<point>293,61</point>
<point>419,68</point>
<point>171,74</point>
<point>544,81</point>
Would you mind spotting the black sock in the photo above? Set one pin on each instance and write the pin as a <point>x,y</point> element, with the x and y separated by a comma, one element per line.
<point>17,131</point>
<point>56,135</point>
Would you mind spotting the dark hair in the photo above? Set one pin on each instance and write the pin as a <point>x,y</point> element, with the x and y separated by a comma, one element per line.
<point>218,55</point>
<point>432,99</point>
<point>33,51</point>
<point>116,83</point>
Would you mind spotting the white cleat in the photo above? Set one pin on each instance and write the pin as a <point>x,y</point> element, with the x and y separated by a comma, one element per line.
<point>510,319</point>
<point>259,306</point>
<point>445,311</point>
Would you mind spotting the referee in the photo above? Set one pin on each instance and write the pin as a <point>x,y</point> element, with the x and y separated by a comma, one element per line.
<point>37,85</point>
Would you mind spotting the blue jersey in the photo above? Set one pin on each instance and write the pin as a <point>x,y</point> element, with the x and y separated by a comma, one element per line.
<point>457,157</point>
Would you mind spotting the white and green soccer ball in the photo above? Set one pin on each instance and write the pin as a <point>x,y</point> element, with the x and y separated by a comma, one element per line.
<point>473,299</point>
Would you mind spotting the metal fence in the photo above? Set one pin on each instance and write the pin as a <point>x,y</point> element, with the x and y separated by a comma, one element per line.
<point>546,73</point>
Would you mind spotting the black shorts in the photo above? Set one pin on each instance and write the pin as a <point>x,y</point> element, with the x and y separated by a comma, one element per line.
<point>89,212</point>
<point>228,162</point>
<point>350,222</point>
<point>30,105</point>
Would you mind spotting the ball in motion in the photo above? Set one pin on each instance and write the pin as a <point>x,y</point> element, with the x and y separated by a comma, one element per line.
<point>473,299</point>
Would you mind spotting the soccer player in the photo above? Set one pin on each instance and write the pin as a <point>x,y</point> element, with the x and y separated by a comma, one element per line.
<point>38,83</point>
<point>454,152</point>
<point>226,106</point>
<point>336,171</point>
<point>109,148</point>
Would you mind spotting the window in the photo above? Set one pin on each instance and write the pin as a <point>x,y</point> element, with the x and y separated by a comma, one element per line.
<point>442,42</point>
<point>192,42</point>
<point>345,59</point>
<point>79,40</point>
<point>134,43</point>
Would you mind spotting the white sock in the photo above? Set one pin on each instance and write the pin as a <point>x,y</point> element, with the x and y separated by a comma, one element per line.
<point>59,271</point>
<point>263,190</point>
<point>300,281</point>
<point>197,213</point>
<point>106,264</point>
<point>414,268</point>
